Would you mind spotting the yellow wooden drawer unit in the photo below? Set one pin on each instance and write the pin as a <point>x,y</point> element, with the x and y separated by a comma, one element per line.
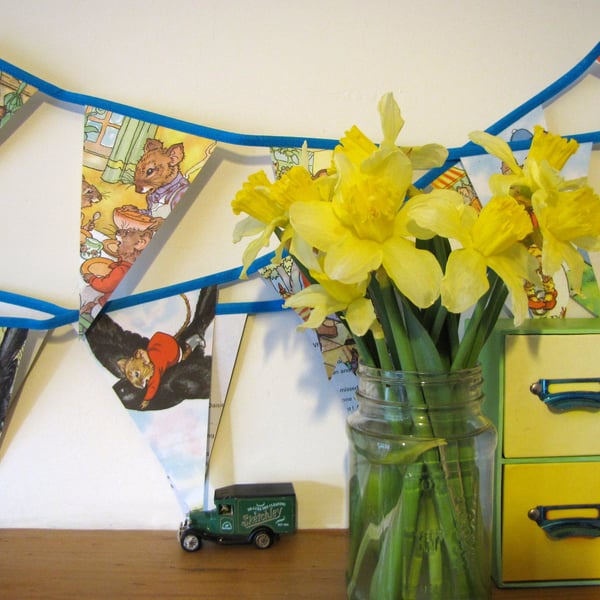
<point>547,497</point>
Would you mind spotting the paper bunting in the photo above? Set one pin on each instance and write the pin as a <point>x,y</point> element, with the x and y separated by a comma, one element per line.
<point>332,339</point>
<point>13,94</point>
<point>122,207</point>
<point>228,336</point>
<point>161,355</point>
<point>589,66</point>
<point>134,174</point>
<point>18,349</point>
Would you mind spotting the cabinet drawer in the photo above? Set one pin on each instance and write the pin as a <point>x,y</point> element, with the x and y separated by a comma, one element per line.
<point>529,554</point>
<point>531,429</point>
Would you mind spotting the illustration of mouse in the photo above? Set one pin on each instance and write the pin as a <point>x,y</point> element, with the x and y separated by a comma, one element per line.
<point>89,193</point>
<point>157,174</point>
<point>145,368</point>
<point>132,236</point>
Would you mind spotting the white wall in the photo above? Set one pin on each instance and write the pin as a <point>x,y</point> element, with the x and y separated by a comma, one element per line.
<point>72,457</point>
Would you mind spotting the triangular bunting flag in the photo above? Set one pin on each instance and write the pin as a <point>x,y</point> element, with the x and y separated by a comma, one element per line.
<point>227,338</point>
<point>134,174</point>
<point>18,349</point>
<point>13,94</point>
<point>161,355</point>
<point>332,338</point>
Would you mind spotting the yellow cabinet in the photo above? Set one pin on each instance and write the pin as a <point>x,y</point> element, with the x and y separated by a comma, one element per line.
<point>542,387</point>
<point>530,427</point>
<point>529,553</point>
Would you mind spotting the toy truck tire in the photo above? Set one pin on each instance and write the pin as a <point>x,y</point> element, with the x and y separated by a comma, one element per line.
<point>263,539</point>
<point>190,540</point>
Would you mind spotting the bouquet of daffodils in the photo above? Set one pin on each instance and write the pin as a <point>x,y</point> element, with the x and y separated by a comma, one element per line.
<point>402,267</point>
<point>399,266</point>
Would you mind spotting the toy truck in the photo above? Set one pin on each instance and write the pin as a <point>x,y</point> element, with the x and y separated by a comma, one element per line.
<point>251,513</point>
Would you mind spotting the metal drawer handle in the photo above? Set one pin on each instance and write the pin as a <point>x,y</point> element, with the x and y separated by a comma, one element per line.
<point>561,395</point>
<point>560,527</point>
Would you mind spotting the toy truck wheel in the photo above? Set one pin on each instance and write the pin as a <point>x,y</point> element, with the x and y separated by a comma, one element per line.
<point>263,539</point>
<point>190,541</point>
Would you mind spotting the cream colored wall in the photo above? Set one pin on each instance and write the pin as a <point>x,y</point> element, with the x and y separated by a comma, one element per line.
<point>72,457</point>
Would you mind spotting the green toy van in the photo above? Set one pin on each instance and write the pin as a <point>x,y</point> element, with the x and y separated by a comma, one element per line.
<point>250,513</point>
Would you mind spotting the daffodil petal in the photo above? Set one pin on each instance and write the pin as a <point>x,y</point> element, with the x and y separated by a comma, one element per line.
<point>255,199</point>
<point>497,147</point>
<point>465,280</point>
<point>303,252</point>
<point>352,259</point>
<point>391,164</point>
<point>356,145</point>
<point>360,316</point>
<point>316,223</point>
<point>315,298</point>
<point>514,267</point>
<point>427,156</point>
<point>416,273</point>
<point>343,292</point>
<point>442,212</point>
<point>502,222</point>
<point>247,227</point>
<point>391,118</point>
<point>552,148</point>
<point>555,252</point>
<point>252,250</point>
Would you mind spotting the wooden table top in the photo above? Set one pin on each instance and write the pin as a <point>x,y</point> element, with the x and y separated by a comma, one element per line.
<point>150,564</point>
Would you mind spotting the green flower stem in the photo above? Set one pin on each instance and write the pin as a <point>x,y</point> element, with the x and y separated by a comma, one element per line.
<point>452,334</point>
<point>416,557</point>
<point>437,320</point>
<point>450,526</point>
<point>385,361</point>
<point>490,318</point>
<point>389,575</point>
<point>447,491</point>
<point>468,473</point>
<point>381,309</point>
<point>435,562</point>
<point>400,339</point>
<point>485,315</point>
<point>408,519</point>
<point>461,360</point>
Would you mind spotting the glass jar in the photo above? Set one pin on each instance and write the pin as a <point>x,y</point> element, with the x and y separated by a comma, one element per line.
<point>421,487</point>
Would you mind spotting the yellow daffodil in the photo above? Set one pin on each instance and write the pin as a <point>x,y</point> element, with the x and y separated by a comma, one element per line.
<point>568,220</point>
<point>358,147</point>
<point>363,227</point>
<point>488,239</point>
<point>328,297</point>
<point>267,205</point>
<point>566,212</point>
<point>541,169</point>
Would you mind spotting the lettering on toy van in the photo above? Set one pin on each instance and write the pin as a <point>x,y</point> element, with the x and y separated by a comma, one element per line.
<point>262,513</point>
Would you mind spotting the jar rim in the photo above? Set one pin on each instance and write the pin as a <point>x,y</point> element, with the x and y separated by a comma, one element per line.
<point>365,370</point>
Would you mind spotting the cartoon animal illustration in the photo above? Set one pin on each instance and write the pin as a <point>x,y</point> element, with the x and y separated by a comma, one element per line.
<point>158,175</point>
<point>89,193</point>
<point>89,225</point>
<point>145,368</point>
<point>541,300</point>
<point>134,232</point>
<point>118,350</point>
<point>85,234</point>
